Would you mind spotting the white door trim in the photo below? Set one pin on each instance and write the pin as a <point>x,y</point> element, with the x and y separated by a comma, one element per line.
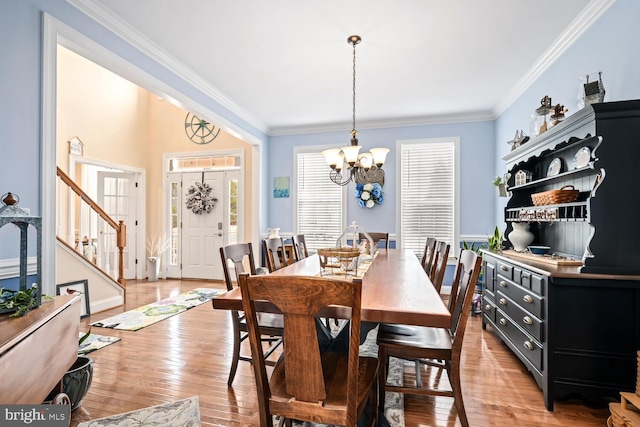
<point>141,207</point>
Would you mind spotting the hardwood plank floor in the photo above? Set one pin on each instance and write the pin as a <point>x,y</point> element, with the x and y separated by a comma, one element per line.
<point>189,354</point>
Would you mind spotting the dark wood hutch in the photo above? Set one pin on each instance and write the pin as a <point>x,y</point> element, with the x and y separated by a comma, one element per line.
<point>575,327</point>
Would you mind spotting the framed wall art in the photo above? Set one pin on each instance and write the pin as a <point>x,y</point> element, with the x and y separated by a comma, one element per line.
<point>80,287</point>
<point>281,186</point>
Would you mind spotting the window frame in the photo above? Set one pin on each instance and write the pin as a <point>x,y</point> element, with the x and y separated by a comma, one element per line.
<point>297,150</point>
<point>455,140</point>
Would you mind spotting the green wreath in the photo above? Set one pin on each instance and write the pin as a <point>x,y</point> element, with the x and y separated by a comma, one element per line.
<point>199,198</point>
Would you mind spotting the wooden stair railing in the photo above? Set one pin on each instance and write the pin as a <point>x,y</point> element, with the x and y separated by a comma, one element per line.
<point>119,227</point>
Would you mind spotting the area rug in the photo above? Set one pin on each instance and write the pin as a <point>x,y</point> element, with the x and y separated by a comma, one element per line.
<point>149,314</point>
<point>183,413</point>
<point>95,342</point>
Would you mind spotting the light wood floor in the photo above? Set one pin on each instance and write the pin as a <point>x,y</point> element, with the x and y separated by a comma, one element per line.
<point>188,354</point>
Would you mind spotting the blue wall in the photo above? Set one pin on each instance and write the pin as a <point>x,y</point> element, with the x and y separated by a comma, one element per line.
<point>610,45</point>
<point>477,163</point>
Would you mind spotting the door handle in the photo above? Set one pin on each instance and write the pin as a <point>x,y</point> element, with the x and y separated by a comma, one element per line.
<point>220,234</point>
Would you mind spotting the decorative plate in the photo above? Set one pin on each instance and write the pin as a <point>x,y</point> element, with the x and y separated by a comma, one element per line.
<point>554,167</point>
<point>581,158</point>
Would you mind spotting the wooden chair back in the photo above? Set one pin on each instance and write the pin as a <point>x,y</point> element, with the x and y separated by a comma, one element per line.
<point>238,255</point>
<point>464,284</point>
<point>440,264</point>
<point>429,255</point>
<point>376,237</point>
<point>305,384</point>
<point>275,253</point>
<point>271,325</point>
<point>299,247</point>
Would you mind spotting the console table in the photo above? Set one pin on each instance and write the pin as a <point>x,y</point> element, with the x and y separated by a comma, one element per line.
<point>36,350</point>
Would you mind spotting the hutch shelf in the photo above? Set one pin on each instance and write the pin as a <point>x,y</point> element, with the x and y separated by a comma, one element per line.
<point>576,328</point>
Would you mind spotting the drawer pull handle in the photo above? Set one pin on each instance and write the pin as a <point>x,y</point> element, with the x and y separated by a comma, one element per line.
<point>527,320</point>
<point>527,298</point>
<point>487,307</point>
<point>503,301</point>
<point>502,321</point>
<point>528,345</point>
<point>504,268</point>
<point>503,283</point>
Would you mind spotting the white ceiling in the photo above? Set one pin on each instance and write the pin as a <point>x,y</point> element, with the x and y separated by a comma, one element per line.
<point>286,66</point>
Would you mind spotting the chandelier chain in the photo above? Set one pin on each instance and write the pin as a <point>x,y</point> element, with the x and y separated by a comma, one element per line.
<point>354,132</point>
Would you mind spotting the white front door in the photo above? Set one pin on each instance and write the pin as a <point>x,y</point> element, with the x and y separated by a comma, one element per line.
<point>202,233</point>
<point>118,198</point>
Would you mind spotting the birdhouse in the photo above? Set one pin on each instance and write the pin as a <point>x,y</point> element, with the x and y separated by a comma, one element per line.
<point>522,177</point>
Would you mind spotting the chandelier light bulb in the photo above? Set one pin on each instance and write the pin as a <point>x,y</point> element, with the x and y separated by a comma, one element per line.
<point>379,155</point>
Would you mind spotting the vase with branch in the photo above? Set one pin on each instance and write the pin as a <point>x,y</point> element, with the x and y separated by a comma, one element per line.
<point>156,247</point>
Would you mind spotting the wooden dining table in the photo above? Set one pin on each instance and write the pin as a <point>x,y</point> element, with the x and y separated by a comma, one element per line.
<point>395,289</point>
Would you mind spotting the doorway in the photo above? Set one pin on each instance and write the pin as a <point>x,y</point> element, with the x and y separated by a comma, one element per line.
<point>198,230</point>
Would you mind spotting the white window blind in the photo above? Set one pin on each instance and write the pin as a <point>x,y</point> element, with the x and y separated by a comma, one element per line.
<point>427,193</point>
<point>319,204</point>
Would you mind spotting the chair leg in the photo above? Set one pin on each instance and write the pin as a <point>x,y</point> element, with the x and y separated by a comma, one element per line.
<point>373,403</point>
<point>454,376</point>
<point>236,348</point>
<point>383,360</point>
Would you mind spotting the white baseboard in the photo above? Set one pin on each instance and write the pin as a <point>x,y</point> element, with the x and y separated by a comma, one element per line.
<point>106,304</point>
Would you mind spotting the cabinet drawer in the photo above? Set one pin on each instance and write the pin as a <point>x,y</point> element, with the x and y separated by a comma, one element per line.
<point>489,309</point>
<point>527,321</point>
<point>488,295</point>
<point>506,270</point>
<point>528,280</point>
<point>525,345</point>
<point>525,298</point>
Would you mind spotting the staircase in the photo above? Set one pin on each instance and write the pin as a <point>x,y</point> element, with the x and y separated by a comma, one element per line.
<point>98,255</point>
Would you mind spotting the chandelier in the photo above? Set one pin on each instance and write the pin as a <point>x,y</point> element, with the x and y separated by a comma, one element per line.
<point>363,168</point>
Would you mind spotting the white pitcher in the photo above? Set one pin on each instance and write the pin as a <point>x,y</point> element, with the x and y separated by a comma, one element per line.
<point>273,233</point>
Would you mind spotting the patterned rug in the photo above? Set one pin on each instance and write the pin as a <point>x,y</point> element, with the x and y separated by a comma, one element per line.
<point>94,342</point>
<point>183,413</point>
<point>149,314</point>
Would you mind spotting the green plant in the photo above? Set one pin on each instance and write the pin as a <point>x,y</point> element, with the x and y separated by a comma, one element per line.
<point>495,241</point>
<point>497,181</point>
<point>471,246</point>
<point>84,337</point>
<point>21,301</point>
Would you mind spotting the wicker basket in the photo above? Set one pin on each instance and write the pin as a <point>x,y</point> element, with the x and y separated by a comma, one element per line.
<point>345,259</point>
<point>566,194</point>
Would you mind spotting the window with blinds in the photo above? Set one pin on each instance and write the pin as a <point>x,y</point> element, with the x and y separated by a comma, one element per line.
<point>428,192</point>
<point>319,204</point>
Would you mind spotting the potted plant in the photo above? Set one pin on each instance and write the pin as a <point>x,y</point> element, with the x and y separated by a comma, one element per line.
<point>495,241</point>
<point>501,186</point>
<point>156,247</point>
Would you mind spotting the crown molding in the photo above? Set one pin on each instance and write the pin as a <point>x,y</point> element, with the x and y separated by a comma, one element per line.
<point>590,14</point>
<point>118,26</point>
<point>478,116</point>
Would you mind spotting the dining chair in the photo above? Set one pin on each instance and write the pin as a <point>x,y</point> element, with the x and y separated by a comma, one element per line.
<point>433,344</point>
<point>271,325</point>
<point>428,256</point>
<point>307,385</point>
<point>299,247</point>
<point>376,237</point>
<point>275,253</point>
<point>439,264</point>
